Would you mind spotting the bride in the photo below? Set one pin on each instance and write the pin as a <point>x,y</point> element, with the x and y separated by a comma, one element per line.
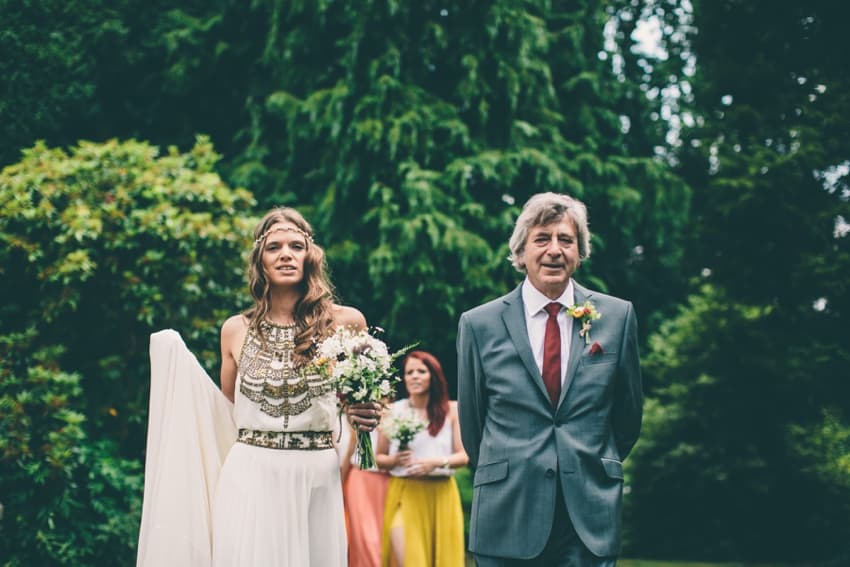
<point>248,475</point>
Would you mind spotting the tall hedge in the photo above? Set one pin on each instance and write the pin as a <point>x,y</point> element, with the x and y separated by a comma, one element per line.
<point>101,245</point>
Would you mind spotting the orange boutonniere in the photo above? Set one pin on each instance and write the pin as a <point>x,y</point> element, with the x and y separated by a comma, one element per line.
<point>586,314</point>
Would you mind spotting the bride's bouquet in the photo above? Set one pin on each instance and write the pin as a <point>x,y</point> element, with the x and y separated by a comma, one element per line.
<point>403,427</point>
<point>362,370</point>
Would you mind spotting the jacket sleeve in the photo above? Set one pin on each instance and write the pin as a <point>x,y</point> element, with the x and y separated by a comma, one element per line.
<point>470,402</point>
<point>628,401</point>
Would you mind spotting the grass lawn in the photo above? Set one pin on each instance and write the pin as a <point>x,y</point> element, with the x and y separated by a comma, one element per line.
<point>464,481</point>
<point>649,563</point>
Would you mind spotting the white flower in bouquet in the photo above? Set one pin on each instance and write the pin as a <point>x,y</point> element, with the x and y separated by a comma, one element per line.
<point>403,427</point>
<point>361,368</point>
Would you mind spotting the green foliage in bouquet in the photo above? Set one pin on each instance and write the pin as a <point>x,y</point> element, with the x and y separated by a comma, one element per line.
<point>403,427</point>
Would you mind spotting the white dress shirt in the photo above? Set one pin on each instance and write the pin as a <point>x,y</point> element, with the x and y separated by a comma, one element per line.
<point>535,321</point>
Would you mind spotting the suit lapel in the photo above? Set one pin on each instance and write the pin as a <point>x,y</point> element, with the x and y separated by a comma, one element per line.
<point>577,345</point>
<point>514,319</point>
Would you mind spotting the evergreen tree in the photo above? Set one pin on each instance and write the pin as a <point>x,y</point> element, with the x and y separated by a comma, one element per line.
<point>413,136</point>
<point>750,376</point>
<point>409,133</point>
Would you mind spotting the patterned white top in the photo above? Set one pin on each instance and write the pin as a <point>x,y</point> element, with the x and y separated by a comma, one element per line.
<point>272,394</point>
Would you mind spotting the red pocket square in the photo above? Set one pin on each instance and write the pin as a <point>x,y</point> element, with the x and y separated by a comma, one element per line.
<point>596,348</point>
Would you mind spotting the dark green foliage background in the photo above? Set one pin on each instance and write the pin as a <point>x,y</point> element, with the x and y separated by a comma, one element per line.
<point>747,435</point>
<point>101,246</point>
<point>410,133</point>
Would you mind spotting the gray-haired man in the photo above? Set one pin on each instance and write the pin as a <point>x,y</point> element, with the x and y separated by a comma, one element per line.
<point>549,394</point>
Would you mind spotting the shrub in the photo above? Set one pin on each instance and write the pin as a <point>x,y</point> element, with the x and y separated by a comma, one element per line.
<point>99,246</point>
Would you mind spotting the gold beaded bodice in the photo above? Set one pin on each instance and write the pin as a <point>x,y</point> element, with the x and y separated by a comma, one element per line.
<point>268,376</point>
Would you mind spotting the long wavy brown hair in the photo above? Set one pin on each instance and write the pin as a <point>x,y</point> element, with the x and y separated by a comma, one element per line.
<point>438,389</point>
<point>314,311</point>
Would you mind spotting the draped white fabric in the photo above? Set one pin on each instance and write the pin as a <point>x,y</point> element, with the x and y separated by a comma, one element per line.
<point>190,432</point>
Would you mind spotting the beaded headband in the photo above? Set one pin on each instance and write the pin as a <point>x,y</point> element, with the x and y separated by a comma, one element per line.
<point>263,236</point>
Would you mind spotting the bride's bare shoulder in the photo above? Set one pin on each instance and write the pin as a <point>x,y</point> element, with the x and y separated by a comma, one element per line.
<point>234,326</point>
<point>345,316</point>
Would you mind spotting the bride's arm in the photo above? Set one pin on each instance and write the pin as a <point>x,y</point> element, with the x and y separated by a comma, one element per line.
<point>232,334</point>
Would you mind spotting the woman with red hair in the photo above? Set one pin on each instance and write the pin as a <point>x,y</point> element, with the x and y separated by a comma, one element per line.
<point>423,519</point>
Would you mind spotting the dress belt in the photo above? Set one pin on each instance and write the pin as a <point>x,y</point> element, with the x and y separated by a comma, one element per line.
<point>299,440</point>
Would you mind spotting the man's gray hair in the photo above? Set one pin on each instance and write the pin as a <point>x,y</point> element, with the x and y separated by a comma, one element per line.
<point>542,209</point>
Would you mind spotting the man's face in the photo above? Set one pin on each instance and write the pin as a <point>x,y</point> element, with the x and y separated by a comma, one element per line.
<point>551,256</point>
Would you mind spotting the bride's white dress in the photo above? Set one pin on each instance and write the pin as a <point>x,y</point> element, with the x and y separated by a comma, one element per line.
<point>255,483</point>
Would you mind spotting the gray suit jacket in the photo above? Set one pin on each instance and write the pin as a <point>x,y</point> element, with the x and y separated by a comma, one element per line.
<point>517,443</point>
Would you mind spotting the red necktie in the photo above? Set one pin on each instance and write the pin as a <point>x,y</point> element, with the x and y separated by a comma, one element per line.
<point>552,354</point>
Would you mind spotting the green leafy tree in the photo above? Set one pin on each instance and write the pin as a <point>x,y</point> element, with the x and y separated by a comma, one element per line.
<point>96,70</point>
<point>68,498</point>
<point>755,361</point>
<point>724,469</point>
<point>410,134</point>
<point>48,82</point>
<point>101,246</point>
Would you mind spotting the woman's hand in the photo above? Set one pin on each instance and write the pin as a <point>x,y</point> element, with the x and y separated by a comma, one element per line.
<point>421,468</point>
<point>402,458</point>
<point>364,416</point>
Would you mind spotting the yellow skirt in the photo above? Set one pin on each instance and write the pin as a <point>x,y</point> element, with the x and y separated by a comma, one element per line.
<point>430,514</point>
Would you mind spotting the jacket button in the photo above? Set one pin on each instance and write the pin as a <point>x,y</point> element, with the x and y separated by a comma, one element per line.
<point>550,473</point>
